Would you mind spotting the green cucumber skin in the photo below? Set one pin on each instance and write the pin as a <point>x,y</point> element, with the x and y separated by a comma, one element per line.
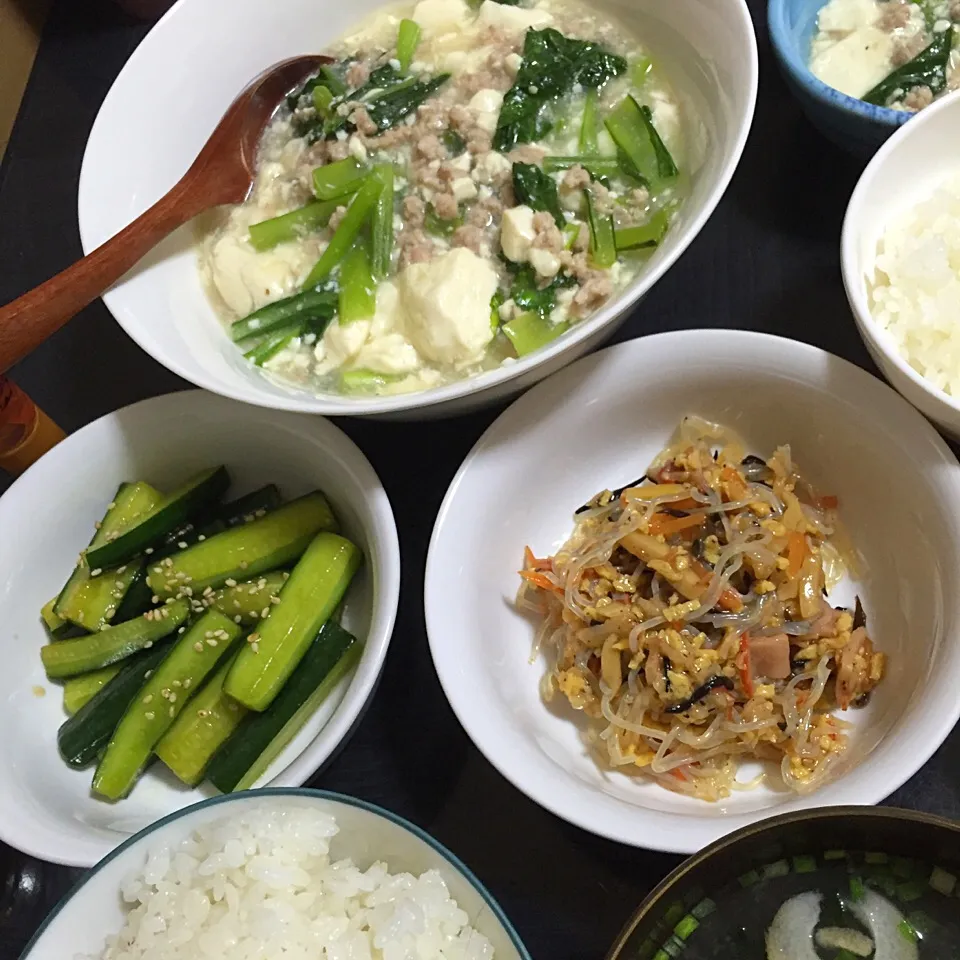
<point>244,509</point>
<point>67,658</point>
<point>242,552</point>
<point>199,732</point>
<point>95,602</point>
<point>247,600</point>
<point>137,600</point>
<point>173,510</point>
<point>129,502</point>
<point>160,701</point>
<point>258,730</point>
<point>79,691</point>
<point>81,738</point>
<point>315,588</point>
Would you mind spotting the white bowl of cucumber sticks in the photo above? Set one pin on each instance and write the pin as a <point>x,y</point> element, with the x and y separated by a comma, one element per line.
<point>226,625</point>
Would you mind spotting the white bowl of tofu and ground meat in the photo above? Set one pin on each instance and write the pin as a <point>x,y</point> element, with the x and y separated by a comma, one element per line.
<point>466,198</point>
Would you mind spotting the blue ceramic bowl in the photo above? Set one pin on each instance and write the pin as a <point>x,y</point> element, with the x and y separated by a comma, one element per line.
<point>850,123</point>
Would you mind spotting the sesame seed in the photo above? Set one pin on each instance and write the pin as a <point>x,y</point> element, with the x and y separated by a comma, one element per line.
<point>208,591</point>
<point>286,574</point>
<point>236,604</point>
<point>201,538</point>
<point>260,513</point>
<point>148,645</point>
<point>253,638</point>
<point>203,713</point>
<point>154,599</point>
<point>254,615</point>
<point>212,642</point>
<point>165,692</point>
<point>238,619</point>
<point>186,682</point>
<point>118,584</point>
<point>148,675</point>
<point>274,599</point>
<point>122,569</point>
<point>111,504</point>
<point>97,525</point>
<point>170,599</point>
<point>148,551</point>
<point>148,698</point>
<point>198,646</point>
<point>172,698</point>
<point>103,626</point>
<point>97,572</point>
<point>181,630</point>
<point>208,634</point>
<point>230,582</point>
<point>261,583</point>
<point>188,591</point>
<point>173,711</point>
<point>164,612</point>
<point>265,612</point>
<point>149,714</point>
<point>182,544</point>
<point>244,564</point>
<point>177,683</point>
<point>158,569</point>
<point>255,647</point>
<point>168,561</point>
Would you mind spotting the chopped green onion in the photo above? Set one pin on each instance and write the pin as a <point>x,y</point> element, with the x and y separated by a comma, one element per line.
<point>640,71</point>
<point>632,129</point>
<point>595,166</point>
<point>674,947</point>
<point>661,955</point>
<point>603,247</point>
<point>908,931</point>
<point>355,381</point>
<point>910,890</point>
<point>778,869</point>
<point>274,343</point>
<point>648,234</point>
<point>338,179</point>
<point>353,220</point>
<point>835,855</point>
<point>857,888</point>
<point>322,100</point>
<point>704,908</point>
<point>292,225</point>
<point>382,225</point>
<point>587,142</point>
<point>686,926</point>
<point>804,864</point>
<point>437,225</point>
<point>529,331</point>
<point>310,305</point>
<point>495,303</point>
<point>875,858</point>
<point>408,36</point>
<point>674,914</point>
<point>748,879</point>
<point>358,289</point>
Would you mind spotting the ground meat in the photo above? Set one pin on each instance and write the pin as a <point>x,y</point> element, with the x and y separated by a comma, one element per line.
<point>527,153</point>
<point>468,236</point>
<point>640,196</point>
<point>895,15</point>
<point>361,120</point>
<point>603,203</point>
<point>591,294</point>
<point>414,246</point>
<point>414,210</point>
<point>357,75</point>
<point>905,50</point>
<point>576,178</point>
<point>337,150</point>
<point>336,217</point>
<point>582,241</point>
<point>428,147</point>
<point>479,141</point>
<point>447,173</point>
<point>548,235</point>
<point>493,75</point>
<point>485,211</point>
<point>433,115</point>
<point>955,10</point>
<point>918,98</point>
<point>446,206</point>
<point>461,119</point>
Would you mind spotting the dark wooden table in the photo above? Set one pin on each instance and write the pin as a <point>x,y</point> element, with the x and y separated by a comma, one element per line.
<point>767,260</point>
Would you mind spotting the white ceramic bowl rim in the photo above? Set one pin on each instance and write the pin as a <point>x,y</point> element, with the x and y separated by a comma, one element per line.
<point>853,279</point>
<point>338,406</point>
<point>667,840</point>
<point>309,793</point>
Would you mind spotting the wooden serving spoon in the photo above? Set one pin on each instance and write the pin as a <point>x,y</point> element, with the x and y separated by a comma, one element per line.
<point>222,173</point>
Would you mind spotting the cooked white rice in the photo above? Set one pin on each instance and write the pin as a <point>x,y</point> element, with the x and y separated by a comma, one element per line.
<point>261,884</point>
<point>915,294</point>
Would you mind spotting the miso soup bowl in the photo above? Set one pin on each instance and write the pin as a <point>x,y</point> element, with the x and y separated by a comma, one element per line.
<point>147,134</point>
<point>804,844</point>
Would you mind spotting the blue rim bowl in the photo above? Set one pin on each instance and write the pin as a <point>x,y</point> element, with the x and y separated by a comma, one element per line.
<point>852,124</point>
<point>453,861</point>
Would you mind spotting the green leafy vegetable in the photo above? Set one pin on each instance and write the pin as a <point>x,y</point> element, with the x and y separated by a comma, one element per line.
<point>437,225</point>
<point>271,345</point>
<point>531,331</point>
<point>552,65</point>
<point>587,142</point>
<point>603,246</point>
<point>362,380</point>
<point>393,105</point>
<point>649,234</point>
<point>640,71</point>
<point>496,301</point>
<point>312,305</point>
<point>537,190</point>
<point>927,68</point>
<point>290,226</point>
<point>338,179</point>
<point>382,226</point>
<point>597,167</point>
<point>527,294</point>
<point>408,36</point>
<point>454,142</point>
<point>358,289</point>
<point>642,151</point>
<point>322,100</point>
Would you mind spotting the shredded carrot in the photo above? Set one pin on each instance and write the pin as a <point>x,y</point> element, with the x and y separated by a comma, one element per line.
<point>730,600</point>
<point>737,489</point>
<point>678,773</point>
<point>828,502</point>
<point>743,665</point>
<point>530,562</point>
<point>796,552</point>
<point>539,580</point>
<point>663,524</point>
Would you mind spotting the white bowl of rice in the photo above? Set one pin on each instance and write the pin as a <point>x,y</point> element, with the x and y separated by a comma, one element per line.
<point>901,261</point>
<point>293,873</point>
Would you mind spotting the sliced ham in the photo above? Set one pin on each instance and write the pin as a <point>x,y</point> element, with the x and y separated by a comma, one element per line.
<point>770,657</point>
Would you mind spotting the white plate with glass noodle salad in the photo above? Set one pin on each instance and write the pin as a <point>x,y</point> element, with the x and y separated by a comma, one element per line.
<point>449,194</point>
<point>462,199</point>
<point>893,53</point>
<point>725,639</point>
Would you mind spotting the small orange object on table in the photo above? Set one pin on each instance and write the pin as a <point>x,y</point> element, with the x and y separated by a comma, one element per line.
<point>26,432</point>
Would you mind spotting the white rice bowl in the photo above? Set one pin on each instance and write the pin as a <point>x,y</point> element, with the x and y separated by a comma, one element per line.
<point>260,882</point>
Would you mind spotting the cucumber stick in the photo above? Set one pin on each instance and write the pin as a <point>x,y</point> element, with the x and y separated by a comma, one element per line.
<point>315,588</point>
<point>261,737</point>
<point>160,700</point>
<point>94,602</point>
<point>67,658</point>
<point>58,629</point>
<point>271,541</point>
<point>78,691</point>
<point>173,510</point>
<point>199,732</point>
<point>81,738</point>
<point>251,599</point>
<point>131,502</point>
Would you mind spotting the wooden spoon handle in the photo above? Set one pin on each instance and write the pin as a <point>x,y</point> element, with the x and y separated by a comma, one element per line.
<point>28,321</point>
